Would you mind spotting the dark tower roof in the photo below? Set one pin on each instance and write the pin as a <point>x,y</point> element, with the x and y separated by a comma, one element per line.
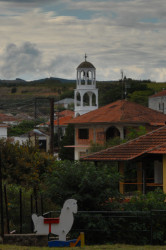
<point>85,64</point>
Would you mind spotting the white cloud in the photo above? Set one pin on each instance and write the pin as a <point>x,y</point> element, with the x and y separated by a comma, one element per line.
<point>20,59</point>
<point>127,35</point>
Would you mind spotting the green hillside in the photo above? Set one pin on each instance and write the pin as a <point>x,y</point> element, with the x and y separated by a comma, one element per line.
<point>19,96</point>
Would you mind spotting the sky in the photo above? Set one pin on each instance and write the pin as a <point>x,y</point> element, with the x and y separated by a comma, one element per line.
<point>49,38</point>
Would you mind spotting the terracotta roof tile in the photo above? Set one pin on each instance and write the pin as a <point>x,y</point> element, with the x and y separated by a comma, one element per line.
<point>122,111</point>
<point>161,93</point>
<point>4,118</point>
<point>66,112</point>
<point>63,120</point>
<point>153,142</point>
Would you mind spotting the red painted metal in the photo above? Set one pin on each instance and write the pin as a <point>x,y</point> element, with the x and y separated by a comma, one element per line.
<point>51,221</point>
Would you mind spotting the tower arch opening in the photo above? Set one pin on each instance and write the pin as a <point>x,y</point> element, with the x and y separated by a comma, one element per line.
<point>94,100</point>
<point>89,77</point>
<point>78,99</point>
<point>86,99</point>
<point>83,77</point>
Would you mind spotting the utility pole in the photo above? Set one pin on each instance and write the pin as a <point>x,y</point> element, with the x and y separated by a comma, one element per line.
<point>51,125</point>
<point>51,100</point>
<point>59,93</point>
<point>1,197</point>
<point>35,114</point>
<point>122,78</point>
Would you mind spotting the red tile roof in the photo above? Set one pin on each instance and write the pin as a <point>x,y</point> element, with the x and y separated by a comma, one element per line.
<point>66,112</point>
<point>3,126</point>
<point>5,118</point>
<point>63,120</point>
<point>161,93</point>
<point>152,142</point>
<point>122,111</point>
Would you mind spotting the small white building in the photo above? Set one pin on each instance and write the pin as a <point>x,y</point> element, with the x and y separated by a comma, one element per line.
<point>158,102</point>
<point>36,137</point>
<point>66,102</point>
<point>3,131</point>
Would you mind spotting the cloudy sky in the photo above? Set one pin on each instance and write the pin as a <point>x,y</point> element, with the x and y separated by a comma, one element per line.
<point>49,38</point>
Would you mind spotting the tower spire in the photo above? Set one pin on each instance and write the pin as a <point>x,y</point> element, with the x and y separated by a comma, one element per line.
<point>85,57</point>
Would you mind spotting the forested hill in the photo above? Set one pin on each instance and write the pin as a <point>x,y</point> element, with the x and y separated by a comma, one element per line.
<point>19,95</point>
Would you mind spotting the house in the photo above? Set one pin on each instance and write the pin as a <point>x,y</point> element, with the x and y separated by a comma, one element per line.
<point>61,120</point>
<point>61,123</point>
<point>3,131</point>
<point>35,136</point>
<point>66,103</point>
<point>145,154</point>
<point>112,120</point>
<point>158,101</point>
<point>9,119</point>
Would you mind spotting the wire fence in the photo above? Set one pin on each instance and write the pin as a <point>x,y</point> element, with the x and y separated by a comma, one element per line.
<point>129,227</point>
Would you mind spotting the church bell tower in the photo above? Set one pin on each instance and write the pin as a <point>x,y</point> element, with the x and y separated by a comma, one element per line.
<point>86,93</point>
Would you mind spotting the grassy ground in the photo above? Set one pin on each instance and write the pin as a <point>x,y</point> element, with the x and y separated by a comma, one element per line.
<point>102,247</point>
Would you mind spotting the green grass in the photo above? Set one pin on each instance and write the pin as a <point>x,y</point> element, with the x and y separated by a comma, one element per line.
<point>100,247</point>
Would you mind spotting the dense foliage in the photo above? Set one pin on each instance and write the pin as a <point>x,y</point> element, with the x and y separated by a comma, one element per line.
<point>89,184</point>
<point>23,164</point>
<point>22,128</point>
<point>132,90</point>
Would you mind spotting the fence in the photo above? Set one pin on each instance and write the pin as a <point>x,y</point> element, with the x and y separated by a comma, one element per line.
<point>131,227</point>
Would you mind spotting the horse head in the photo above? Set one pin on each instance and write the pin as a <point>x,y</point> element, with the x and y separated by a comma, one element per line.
<point>71,205</point>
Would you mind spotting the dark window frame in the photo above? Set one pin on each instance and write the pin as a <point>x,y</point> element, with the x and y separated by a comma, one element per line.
<point>83,133</point>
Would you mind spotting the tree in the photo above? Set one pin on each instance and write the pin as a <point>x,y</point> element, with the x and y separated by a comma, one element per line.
<point>141,97</point>
<point>22,128</point>
<point>90,185</point>
<point>23,164</point>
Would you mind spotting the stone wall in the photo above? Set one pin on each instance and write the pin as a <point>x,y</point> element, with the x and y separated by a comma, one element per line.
<point>26,239</point>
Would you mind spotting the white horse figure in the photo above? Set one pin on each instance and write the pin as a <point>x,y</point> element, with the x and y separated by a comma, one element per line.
<point>66,220</point>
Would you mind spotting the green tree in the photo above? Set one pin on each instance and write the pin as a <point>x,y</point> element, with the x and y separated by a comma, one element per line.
<point>90,185</point>
<point>141,96</point>
<point>23,164</point>
<point>151,201</point>
<point>22,128</point>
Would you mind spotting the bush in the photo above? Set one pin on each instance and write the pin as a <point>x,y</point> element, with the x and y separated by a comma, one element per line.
<point>89,184</point>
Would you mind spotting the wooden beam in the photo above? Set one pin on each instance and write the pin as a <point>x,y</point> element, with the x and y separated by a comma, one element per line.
<point>164,173</point>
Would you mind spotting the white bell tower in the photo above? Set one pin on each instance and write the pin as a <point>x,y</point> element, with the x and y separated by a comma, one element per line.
<point>86,93</point>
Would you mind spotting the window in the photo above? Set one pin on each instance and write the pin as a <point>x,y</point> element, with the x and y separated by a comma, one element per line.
<point>161,107</point>
<point>83,133</point>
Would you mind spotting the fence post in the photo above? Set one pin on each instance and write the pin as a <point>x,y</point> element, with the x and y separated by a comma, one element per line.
<point>35,196</point>
<point>20,211</point>
<point>31,213</point>
<point>41,200</point>
<point>151,228</point>
<point>6,206</point>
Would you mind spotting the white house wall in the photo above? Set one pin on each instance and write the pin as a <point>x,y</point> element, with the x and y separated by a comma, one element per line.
<point>3,132</point>
<point>158,103</point>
